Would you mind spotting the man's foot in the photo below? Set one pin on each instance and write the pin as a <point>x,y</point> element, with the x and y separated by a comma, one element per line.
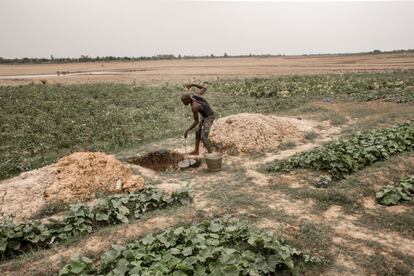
<point>194,153</point>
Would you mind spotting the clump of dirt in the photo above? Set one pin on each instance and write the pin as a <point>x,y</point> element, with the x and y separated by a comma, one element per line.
<point>252,133</point>
<point>77,177</point>
<point>82,174</point>
<point>160,160</point>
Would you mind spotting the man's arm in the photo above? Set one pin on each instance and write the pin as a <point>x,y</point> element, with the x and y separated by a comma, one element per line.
<point>195,123</point>
<point>199,92</point>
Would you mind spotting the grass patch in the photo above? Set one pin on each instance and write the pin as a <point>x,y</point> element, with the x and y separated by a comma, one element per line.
<point>233,196</point>
<point>310,108</point>
<point>382,265</point>
<point>401,223</point>
<point>311,135</point>
<point>324,198</point>
<point>48,210</point>
<point>382,262</point>
<point>335,118</point>
<point>316,237</point>
<point>287,145</point>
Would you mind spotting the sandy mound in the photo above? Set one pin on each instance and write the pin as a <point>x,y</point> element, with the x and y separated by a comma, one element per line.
<point>22,196</point>
<point>76,177</point>
<point>82,174</point>
<point>252,133</point>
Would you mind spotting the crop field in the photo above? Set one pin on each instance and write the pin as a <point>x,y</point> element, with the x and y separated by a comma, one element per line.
<point>184,70</point>
<point>336,198</point>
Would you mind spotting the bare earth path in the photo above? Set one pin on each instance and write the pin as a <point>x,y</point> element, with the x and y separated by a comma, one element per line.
<point>161,71</point>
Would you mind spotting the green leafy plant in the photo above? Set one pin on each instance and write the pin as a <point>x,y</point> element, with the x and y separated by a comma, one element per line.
<point>15,237</point>
<point>352,154</point>
<point>354,86</point>
<point>78,266</point>
<point>393,195</point>
<point>216,247</point>
<point>323,182</point>
<point>80,219</point>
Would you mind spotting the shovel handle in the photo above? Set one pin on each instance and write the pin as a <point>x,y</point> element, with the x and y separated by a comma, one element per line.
<point>185,145</point>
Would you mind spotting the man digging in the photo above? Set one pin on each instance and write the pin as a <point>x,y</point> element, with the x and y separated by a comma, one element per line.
<point>199,105</point>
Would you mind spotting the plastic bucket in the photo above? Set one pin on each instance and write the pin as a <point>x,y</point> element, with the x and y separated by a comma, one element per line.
<point>214,161</point>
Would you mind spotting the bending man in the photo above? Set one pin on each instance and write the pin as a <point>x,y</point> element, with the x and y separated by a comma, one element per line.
<point>199,106</point>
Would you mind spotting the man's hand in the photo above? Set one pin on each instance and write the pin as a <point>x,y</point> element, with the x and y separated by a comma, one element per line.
<point>186,134</point>
<point>188,85</point>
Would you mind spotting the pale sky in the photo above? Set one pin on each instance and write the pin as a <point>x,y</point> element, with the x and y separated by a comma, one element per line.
<point>70,28</point>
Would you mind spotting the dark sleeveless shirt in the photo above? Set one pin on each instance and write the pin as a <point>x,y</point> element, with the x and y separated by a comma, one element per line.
<point>207,111</point>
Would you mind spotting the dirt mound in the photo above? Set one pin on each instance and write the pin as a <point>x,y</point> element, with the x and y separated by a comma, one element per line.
<point>76,177</point>
<point>252,133</point>
<point>82,174</point>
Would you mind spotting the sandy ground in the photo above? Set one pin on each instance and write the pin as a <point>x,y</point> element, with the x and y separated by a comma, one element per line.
<point>201,69</point>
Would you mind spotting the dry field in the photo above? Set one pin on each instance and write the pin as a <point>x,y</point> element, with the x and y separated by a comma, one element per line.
<point>174,71</point>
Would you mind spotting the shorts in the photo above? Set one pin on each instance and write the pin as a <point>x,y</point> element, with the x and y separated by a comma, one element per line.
<point>204,129</point>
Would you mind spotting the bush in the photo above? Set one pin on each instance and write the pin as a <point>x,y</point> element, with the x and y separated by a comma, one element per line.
<point>352,154</point>
<point>81,219</point>
<point>392,195</point>
<point>216,247</point>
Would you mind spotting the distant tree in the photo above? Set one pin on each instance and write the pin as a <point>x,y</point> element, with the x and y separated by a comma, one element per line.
<point>165,56</point>
<point>86,58</point>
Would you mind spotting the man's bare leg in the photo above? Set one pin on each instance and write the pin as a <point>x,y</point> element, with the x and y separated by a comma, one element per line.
<point>197,143</point>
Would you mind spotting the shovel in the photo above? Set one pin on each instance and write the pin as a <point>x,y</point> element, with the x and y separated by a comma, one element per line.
<point>187,162</point>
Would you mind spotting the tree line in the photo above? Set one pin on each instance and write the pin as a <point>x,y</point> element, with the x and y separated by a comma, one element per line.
<point>86,58</point>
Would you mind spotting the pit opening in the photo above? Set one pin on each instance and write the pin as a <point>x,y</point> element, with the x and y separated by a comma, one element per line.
<point>160,160</point>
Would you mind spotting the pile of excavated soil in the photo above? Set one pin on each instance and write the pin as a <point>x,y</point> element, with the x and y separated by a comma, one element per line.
<point>82,174</point>
<point>252,133</point>
<point>77,177</point>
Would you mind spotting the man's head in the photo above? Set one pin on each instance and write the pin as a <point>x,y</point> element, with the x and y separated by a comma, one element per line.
<point>186,98</point>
